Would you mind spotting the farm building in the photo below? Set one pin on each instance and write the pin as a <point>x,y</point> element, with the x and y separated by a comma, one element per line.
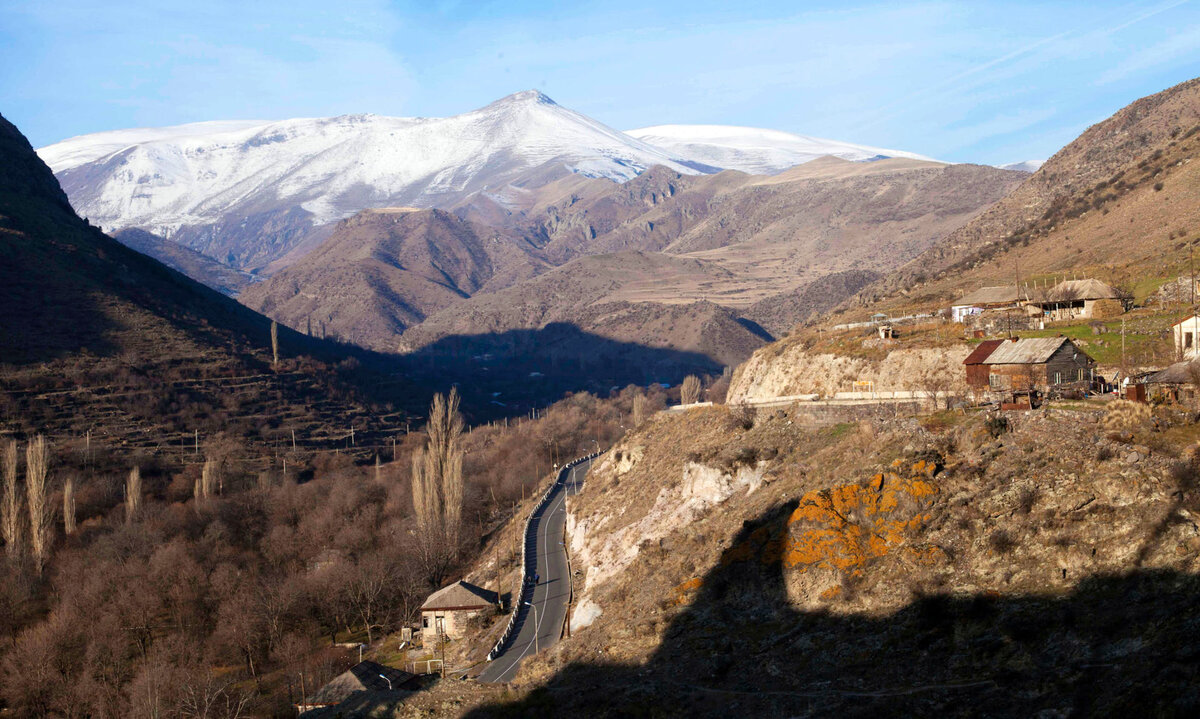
<point>447,610</point>
<point>1029,363</point>
<point>1175,383</point>
<point>1081,299</point>
<point>988,298</point>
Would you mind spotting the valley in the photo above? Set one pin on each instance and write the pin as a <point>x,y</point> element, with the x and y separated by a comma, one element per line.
<point>511,413</point>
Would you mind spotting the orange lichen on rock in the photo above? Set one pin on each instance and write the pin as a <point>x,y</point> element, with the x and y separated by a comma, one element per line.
<point>685,589</point>
<point>843,527</point>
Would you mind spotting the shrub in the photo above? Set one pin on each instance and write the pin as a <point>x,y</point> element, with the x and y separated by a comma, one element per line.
<point>742,416</point>
<point>1001,542</point>
<point>1158,187</point>
<point>1124,417</point>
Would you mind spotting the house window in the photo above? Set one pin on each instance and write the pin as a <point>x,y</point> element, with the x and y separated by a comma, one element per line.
<point>424,622</point>
<point>1081,376</point>
<point>1058,378</point>
<point>993,381</point>
<point>1187,340</point>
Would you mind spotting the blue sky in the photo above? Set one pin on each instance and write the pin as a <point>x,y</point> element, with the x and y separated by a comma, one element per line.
<point>968,82</point>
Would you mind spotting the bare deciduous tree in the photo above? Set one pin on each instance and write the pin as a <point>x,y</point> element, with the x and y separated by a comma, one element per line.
<point>437,485</point>
<point>69,506</point>
<point>639,409</point>
<point>133,494</point>
<point>689,392</point>
<point>10,506</point>
<point>41,530</point>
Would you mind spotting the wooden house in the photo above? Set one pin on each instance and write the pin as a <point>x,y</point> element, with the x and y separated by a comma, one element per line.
<point>1029,363</point>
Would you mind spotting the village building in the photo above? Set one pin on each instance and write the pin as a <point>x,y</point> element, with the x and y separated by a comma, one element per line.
<point>1187,337</point>
<point>1081,299</point>
<point>1177,382</point>
<point>1028,363</point>
<point>988,299</point>
<point>447,611</point>
<point>356,682</point>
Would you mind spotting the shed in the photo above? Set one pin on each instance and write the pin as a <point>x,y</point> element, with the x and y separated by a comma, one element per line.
<point>1175,382</point>
<point>447,610</point>
<point>1037,362</point>
<point>365,676</point>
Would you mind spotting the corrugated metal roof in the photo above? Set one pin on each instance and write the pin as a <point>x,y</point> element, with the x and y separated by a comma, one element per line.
<point>1027,350</point>
<point>980,353</point>
<point>460,595</point>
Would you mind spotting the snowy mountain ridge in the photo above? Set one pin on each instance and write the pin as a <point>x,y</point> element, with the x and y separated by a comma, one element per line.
<point>755,150</point>
<point>247,192</point>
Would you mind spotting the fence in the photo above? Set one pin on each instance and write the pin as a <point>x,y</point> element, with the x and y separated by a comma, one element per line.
<point>525,586</point>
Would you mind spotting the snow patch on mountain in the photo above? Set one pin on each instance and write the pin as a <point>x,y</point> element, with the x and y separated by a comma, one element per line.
<point>1023,166</point>
<point>754,150</point>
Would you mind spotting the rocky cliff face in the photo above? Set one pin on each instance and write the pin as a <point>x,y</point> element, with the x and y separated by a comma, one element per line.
<point>783,369</point>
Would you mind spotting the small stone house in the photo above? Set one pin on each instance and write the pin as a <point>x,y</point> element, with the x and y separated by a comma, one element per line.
<point>1187,337</point>
<point>447,610</point>
<point>1029,363</point>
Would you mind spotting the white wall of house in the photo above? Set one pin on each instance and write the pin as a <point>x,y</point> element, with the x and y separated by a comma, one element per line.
<point>1187,337</point>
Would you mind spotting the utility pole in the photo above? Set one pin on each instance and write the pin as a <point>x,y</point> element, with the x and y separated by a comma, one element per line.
<point>1125,367</point>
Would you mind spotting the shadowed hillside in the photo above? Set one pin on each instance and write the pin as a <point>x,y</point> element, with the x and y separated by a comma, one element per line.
<point>1116,646</point>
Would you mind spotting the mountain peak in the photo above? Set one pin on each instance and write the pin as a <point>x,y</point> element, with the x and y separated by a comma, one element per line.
<point>526,96</point>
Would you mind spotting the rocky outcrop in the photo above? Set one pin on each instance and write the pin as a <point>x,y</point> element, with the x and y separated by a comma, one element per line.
<point>785,369</point>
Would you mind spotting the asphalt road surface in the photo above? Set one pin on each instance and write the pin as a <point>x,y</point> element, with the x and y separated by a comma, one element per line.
<point>539,627</point>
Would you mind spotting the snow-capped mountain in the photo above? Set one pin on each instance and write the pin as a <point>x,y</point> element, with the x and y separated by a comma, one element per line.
<point>211,185</point>
<point>1024,166</point>
<point>754,150</point>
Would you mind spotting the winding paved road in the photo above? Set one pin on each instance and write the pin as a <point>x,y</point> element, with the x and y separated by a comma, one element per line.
<point>539,627</point>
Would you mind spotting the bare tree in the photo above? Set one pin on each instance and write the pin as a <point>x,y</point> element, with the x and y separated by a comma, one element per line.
<point>274,343</point>
<point>133,494</point>
<point>69,506</point>
<point>936,382</point>
<point>639,409</point>
<point>437,484</point>
<point>41,530</point>
<point>689,392</point>
<point>10,505</point>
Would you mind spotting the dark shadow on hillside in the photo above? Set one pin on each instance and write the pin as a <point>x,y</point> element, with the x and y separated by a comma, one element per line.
<point>1119,646</point>
<point>508,372</point>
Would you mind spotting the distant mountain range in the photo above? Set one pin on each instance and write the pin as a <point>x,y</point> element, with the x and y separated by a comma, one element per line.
<point>248,193</point>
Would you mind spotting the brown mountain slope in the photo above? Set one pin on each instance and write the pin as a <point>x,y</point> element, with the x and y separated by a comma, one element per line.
<point>599,295</point>
<point>97,337</point>
<point>201,268</point>
<point>1101,163</point>
<point>383,271</point>
<point>779,313</point>
<point>773,233</point>
<point>754,237</point>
